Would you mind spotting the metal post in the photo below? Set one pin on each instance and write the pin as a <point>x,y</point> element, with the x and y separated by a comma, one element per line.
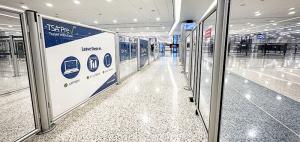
<point>138,54</point>
<point>14,56</point>
<point>117,55</point>
<point>33,43</point>
<point>218,70</point>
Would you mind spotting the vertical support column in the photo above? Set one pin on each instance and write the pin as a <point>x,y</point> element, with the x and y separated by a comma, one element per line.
<point>138,54</point>
<point>33,47</point>
<point>117,52</point>
<point>218,70</point>
<point>14,56</point>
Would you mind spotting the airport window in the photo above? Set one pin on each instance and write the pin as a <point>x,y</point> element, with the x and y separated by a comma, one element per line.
<point>261,99</point>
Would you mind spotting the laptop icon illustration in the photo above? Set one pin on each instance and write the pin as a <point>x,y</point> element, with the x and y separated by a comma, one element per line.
<point>71,66</point>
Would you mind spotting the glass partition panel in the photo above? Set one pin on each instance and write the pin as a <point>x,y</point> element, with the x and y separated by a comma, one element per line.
<point>208,43</point>
<point>16,112</point>
<point>187,55</point>
<point>194,41</point>
<point>261,99</point>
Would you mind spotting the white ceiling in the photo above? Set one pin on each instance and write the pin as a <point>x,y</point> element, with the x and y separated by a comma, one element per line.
<point>273,15</point>
<point>124,11</point>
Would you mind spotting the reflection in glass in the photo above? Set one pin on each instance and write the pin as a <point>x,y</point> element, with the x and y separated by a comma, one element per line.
<point>16,112</point>
<point>261,99</point>
<point>187,55</point>
<point>208,42</point>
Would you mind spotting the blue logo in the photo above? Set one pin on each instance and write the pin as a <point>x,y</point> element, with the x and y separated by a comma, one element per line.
<point>93,63</point>
<point>107,60</point>
<point>70,67</point>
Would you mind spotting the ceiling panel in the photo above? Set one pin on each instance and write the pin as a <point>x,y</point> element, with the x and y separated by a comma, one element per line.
<point>124,11</point>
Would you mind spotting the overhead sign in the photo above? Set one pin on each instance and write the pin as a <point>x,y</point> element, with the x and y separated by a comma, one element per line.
<point>80,62</point>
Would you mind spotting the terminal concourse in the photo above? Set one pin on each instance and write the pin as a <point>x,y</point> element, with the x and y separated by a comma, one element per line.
<point>150,70</point>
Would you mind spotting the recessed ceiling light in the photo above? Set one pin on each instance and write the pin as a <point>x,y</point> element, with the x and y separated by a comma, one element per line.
<point>252,25</point>
<point>96,22</point>
<point>298,23</point>
<point>157,19</point>
<point>24,7</point>
<point>115,21</point>
<point>248,23</point>
<point>257,14</point>
<point>163,27</point>
<point>108,0</point>
<point>131,28</point>
<point>292,13</point>
<point>49,4</point>
<point>147,28</point>
<point>135,20</point>
<point>292,8</point>
<point>230,25</point>
<point>274,24</point>
<point>290,29</point>
<point>117,29</point>
<point>10,26</point>
<point>76,2</point>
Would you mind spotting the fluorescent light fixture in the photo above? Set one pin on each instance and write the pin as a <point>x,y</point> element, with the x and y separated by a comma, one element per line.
<point>76,2</point>
<point>10,26</point>
<point>95,22</point>
<point>157,19</point>
<point>24,7</point>
<point>230,25</point>
<point>292,13</point>
<point>177,5</point>
<point>292,8</point>
<point>49,4</point>
<point>135,20</point>
<point>1,14</point>
<point>108,0</point>
<point>115,21</point>
<point>274,24</point>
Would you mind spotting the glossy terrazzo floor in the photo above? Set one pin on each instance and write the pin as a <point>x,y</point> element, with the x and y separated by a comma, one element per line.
<point>151,105</point>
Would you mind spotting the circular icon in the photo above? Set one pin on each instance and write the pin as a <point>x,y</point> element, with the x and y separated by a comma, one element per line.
<point>70,67</point>
<point>107,60</point>
<point>93,63</point>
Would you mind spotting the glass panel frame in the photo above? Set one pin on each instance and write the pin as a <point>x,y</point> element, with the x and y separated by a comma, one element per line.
<point>29,73</point>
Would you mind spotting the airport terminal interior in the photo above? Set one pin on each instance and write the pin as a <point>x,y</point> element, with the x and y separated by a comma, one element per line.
<point>150,70</point>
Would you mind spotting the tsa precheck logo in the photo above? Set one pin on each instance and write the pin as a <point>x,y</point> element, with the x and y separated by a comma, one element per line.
<point>107,60</point>
<point>70,67</point>
<point>93,63</point>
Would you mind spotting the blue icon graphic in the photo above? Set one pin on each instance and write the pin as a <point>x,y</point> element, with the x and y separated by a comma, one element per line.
<point>93,63</point>
<point>70,67</point>
<point>107,60</point>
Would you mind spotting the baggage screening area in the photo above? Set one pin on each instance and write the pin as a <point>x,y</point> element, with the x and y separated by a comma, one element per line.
<point>150,70</point>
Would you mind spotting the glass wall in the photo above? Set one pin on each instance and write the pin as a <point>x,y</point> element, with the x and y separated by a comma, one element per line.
<point>194,41</point>
<point>128,58</point>
<point>261,99</point>
<point>16,112</point>
<point>208,42</point>
<point>187,55</point>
